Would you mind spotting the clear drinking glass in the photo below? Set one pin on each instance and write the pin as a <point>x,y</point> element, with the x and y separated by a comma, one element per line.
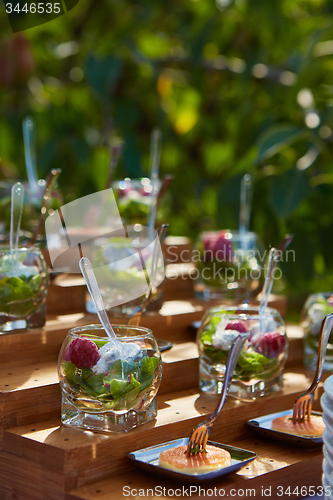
<point>31,211</point>
<point>134,199</point>
<point>230,267</point>
<point>260,365</point>
<point>125,279</point>
<point>23,289</point>
<point>104,389</point>
<point>316,307</point>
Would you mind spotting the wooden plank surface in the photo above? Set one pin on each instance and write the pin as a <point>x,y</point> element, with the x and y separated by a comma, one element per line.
<point>274,466</point>
<point>42,460</point>
<point>172,323</point>
<point>86,456</point>
<point>67,292</point>
<point>38,381</point>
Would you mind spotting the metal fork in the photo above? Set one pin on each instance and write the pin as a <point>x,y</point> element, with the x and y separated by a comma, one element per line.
<point>199,437</point>
<point>303,404</point>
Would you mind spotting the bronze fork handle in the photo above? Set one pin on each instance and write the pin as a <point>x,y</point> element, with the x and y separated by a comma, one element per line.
<point>324,336</point>
<point>229,371</point>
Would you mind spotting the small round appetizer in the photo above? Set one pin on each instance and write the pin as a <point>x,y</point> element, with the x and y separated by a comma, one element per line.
<point>177,460</point>
<point>309,428</point>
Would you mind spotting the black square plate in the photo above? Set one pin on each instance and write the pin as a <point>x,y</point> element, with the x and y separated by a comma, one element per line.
<point>147,459</point>
<point>263,426</point>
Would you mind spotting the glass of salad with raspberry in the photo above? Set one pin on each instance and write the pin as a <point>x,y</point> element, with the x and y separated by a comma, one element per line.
<point>23,289</point>
<point>31,210</point>
<point>260,365</point>
<point>134,199</point>
<point>229,266</point>
<point>109,386</point>
<point>316,307</point>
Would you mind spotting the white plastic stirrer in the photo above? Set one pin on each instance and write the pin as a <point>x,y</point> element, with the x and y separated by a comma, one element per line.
<point>245,209</point>
<point>155,156</point>
<point>93,288</point>
<point>30,156</point>
<point>92,285</point>
<point>15,222</point>
<point>273,253</point>
<point>272,261</point>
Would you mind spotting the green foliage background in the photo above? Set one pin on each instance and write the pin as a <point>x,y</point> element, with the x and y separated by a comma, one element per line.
<point>236,86</point>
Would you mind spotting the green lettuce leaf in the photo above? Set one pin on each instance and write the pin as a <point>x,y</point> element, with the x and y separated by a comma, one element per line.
<point>69,370</point>
<point>148,364</point>
<point>16,297</point>
<point>148,367</point>
<point>113,390</point>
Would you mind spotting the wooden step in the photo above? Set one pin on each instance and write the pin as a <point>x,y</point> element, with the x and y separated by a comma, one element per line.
<point>171,323</point>
<point>179,281</point>
<point>174,322</point>
<point>84,456</point>
<point>67,292</point>
<point>275,465</point>
<point>40,459</point>
<point>23,479</point>
<point>31,393</point>
<point>38,381</point>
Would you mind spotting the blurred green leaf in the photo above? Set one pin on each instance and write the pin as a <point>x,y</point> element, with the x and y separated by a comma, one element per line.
<point>276,138</point>
<point>228,203</point>
<point>223,80</point>
<point>100,165</point>
<point>131,158</point>
<point>103,74</point>
<point>297,264</point>
<point>288,190</point>
<point>218,157</point>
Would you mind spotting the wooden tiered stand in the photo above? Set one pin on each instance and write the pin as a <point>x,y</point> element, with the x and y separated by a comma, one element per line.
<point>42,460</point>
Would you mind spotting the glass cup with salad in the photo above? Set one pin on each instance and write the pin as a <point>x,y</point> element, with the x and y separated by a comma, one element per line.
<point>229,266</point>
<point>260,365</point>
<point>316,307</point>
<point>31,211</point>
<point>109,386</point>
<point>23,289</point>
<point>127,262</point>
<point>135,198</point>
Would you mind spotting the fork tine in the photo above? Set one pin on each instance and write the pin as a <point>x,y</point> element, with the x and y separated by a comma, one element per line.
<point>205,439</point>
<point>302,409</point>
<point>299,412</point>
<point>193,440</point>
<point>202,437</point>
<point>296,411</point>
<point>306,409</point>
<point>201,442</point>
<point>309,409</point>
<point>198,439</point>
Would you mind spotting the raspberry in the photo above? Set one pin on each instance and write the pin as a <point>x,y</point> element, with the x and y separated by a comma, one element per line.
<point>271,344</point>
<point>83,353</point>
<point>236,325</point>
<point>218,246</point>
